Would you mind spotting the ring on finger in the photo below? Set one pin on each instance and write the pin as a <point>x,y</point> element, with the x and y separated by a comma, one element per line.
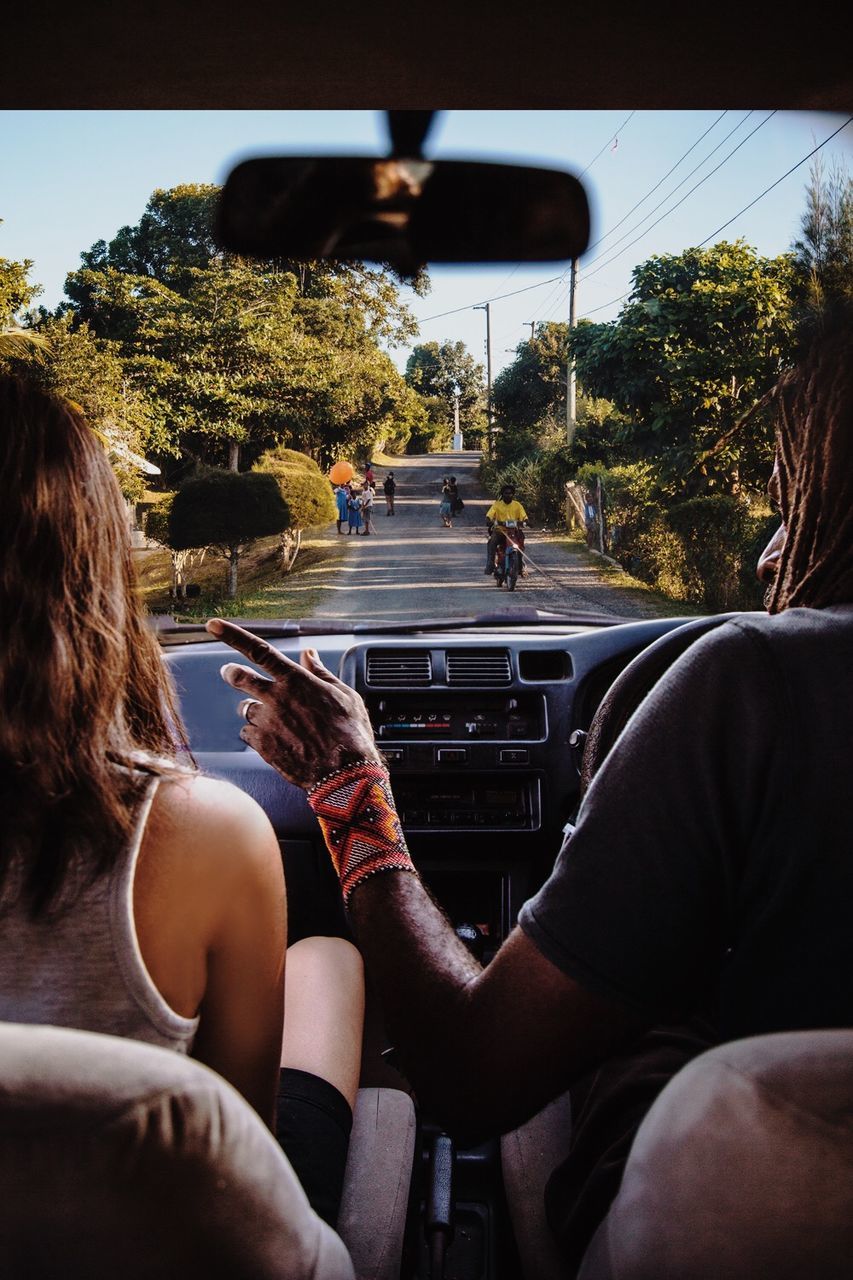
<point>245,709</point>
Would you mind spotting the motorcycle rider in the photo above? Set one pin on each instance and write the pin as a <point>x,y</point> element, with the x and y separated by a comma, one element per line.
<point>503,509</point>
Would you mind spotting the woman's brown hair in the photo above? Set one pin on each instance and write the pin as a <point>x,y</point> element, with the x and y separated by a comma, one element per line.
<point>83,688</point>
<point>814,451</point>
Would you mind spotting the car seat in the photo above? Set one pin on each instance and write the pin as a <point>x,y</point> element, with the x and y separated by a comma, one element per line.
<point>742,1168</point>
<point>118,1158</point>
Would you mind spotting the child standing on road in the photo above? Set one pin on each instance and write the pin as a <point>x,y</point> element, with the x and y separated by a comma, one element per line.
<point>366,506</point>
<point>354,511</point>
<point>390,488</point>
<point>341,502</point>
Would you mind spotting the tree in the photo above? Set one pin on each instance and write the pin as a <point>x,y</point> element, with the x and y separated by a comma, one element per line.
<point>703,336</point>
<point>174,235</point>
<point>238,356</point>
<point>823,255</point>
<point>306,492</point>
<point>227,511</point>
<point>16,296</point>
<point>445,369</point>
<point>157,530</point>
<point>90,373</point>
<point>533,387</point>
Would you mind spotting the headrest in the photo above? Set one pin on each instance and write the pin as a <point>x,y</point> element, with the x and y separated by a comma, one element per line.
<point>743,1167</point>
<point>122,1159</point>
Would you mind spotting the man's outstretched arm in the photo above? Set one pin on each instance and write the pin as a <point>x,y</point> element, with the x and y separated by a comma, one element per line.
<point>484,1048</point>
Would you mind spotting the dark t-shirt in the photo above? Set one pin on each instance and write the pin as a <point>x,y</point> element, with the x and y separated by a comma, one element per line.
<point>712,863</point>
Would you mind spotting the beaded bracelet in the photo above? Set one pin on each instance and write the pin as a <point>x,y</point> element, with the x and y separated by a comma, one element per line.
<point>357,815</point>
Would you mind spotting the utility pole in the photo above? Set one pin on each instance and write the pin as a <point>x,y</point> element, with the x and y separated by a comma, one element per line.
<point>532,324</point>
<point>485,307</point>
<point>571,408</point>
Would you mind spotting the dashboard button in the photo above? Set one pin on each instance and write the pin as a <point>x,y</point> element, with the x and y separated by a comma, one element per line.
<point>514,755</point>
<point>451,755</point>
<point>394,755</point>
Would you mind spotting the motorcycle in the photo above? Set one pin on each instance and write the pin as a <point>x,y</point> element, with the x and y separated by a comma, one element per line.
<point>507,556</point>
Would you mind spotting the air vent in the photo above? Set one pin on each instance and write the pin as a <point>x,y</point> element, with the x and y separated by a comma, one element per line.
<point>401,668</point>
<point>478,666</point>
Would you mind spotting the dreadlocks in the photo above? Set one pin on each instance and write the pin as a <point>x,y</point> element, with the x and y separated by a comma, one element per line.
<point>814,450</point>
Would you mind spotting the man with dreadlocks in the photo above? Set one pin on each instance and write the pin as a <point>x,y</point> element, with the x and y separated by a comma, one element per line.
<point>708,884</point>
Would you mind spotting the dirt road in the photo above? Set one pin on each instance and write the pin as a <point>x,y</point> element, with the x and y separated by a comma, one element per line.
<point>411,567</point>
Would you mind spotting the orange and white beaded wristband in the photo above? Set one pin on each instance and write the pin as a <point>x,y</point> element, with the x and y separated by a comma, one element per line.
<point>357,815</point>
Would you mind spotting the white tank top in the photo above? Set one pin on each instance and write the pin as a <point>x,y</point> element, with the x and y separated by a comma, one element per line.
<point>83,968</point>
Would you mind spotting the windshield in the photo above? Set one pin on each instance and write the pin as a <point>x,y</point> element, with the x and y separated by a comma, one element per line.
<point>347,446</point>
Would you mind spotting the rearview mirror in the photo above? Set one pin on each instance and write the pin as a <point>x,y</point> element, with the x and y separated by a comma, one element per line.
<point>402,212</point>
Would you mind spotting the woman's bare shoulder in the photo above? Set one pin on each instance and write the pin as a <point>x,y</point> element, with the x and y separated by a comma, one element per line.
<point>207,815</point>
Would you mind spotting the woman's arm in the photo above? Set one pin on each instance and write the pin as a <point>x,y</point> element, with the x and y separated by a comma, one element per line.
<point>212,920</point>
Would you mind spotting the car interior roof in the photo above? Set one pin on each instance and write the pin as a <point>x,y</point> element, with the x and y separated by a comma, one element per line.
<point>449,53</point>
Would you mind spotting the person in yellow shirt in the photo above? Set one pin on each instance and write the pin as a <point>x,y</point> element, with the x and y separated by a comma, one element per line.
<point>503,509</point>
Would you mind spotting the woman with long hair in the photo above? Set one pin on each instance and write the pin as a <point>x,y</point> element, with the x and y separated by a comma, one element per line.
<point>138,897</point>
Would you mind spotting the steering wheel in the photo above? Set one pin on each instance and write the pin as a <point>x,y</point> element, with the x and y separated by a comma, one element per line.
<point>631,686</point>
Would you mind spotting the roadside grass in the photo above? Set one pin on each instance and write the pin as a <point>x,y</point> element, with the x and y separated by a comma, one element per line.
<point>264,591</point>
<point>658,603</point>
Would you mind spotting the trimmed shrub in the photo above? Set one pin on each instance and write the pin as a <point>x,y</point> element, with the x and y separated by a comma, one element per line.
<point>712,531</point>
<point>308,497</point>
<point>308,494</point>
<point>227,511</point>
<point>286,457</point>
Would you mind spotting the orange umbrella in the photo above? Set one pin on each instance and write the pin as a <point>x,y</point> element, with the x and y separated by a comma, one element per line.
<point>341,472</point>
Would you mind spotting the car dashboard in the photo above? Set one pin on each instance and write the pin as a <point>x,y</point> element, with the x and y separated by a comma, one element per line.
<point>482,731</point>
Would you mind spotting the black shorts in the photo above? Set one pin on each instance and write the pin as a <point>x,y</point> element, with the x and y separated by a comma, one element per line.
<point>313,1124</point>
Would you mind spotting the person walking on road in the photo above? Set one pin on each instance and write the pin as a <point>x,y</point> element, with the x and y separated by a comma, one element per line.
<point>341,502</point>
<point>456,503</point>
<point>390,488</point>
<point>445,509</point>
<point>366,506</point>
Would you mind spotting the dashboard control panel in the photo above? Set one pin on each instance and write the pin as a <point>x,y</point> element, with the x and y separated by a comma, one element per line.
<point>445,717</point>
<point>471,803</point>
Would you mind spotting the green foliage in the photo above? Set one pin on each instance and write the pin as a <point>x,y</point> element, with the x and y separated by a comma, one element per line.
<point>440,371</point>
<point>226,510</point>
<point>702,550</point>
<point>703,336</point>
<point>174,234</point>
<point>539,479</point>
<point>17,293</point>
<point>90,372</point>
<point>282,456</point>
<point>157,518</point>
<point>711,531</point>
<point>434,429</point>
<point>306,493</point>
<point>823,255</point>
<point>533,387</point>
<point>243,356</point>
<point>601,433</point>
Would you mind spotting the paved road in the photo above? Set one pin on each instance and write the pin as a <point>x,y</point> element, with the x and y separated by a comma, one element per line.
<point>411,567</point>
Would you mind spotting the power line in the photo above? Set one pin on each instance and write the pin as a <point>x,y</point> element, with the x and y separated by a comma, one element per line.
<point>776,183</point>
<point>607,144</point>
<point>556,292</point>
<point>498,298</point>
<point>616,226</point>
<point>678,203</point>
<point>603,306</point>
<point>766,190</point>
<point>552,279</point>
<point>560,279</point>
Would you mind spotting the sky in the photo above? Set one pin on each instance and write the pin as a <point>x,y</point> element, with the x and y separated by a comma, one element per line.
<point>658,182</point>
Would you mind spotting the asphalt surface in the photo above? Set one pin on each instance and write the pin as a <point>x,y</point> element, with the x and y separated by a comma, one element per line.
<point>411,567</point>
